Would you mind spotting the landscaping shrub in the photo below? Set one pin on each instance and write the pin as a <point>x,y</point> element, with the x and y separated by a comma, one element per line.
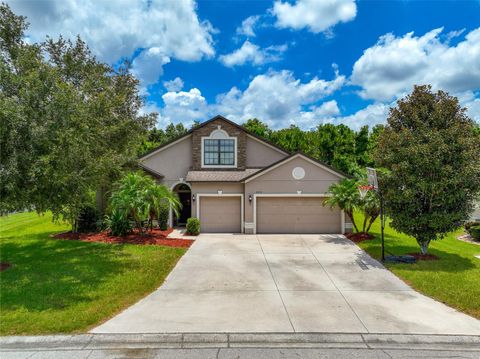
<point>467,225</point>
<point>163,217</point>
<point>193,226</point>
<point>117,223</point>
<point>474,231</point>
<point>87,220</point>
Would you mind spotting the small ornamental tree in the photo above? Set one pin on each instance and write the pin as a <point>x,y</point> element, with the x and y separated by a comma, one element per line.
<point>432,151</point>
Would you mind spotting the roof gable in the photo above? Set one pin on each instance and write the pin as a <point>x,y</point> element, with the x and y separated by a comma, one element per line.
<point>292,157</point>
<point>216,118</point>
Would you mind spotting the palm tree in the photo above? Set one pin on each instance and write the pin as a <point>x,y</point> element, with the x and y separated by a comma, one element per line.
<point>140,198</point>
<point>371,209</point>
<point>158,196</point>
<point>345,195</point>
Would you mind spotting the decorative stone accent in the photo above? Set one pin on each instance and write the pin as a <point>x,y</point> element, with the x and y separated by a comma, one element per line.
<point>205,131</point>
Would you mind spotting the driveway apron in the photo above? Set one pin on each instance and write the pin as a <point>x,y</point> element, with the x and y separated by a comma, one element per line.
<point>285,283</point>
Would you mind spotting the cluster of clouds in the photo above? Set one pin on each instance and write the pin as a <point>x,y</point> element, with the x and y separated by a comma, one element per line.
<point>275,97</point>
<point>313,15</point>
<point>114,30</point>
<point>159,31</point>
<point>385,72</point>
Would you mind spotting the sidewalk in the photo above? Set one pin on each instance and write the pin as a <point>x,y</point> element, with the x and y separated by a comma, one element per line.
<point>180,233</point>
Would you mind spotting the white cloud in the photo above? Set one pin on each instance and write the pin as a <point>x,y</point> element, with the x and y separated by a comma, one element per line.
<point>318,114</point>
<point>473,109</point>
<point>248,26</point>
<point>371,115</point>
<point>174,85</point>
<point>278,98</point>
<point>251,53</point>
<point>315,15</point>
<point>183,106</point>
<point>147,66</point>
<point>390,68</point>
<point>115,29</point>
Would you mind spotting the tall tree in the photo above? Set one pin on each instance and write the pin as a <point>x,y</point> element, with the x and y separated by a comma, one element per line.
<point>157,137</point>
<point>258,127</point>
<point>293,139</point>
<point>432,152</point>
<point>69,123</point>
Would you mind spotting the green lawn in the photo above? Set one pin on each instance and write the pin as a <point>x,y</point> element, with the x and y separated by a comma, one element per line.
<point>454,279</point>
<point>61,286</point>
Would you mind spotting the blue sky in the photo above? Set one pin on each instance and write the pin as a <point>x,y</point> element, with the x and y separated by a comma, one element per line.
<point>301,62</point>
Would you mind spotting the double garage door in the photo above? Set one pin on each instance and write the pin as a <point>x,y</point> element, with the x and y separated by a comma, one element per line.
<point>296,215</point>
<point>274,215</point>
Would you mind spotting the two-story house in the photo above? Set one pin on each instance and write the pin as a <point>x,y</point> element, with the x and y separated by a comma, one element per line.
<point>237,182</point>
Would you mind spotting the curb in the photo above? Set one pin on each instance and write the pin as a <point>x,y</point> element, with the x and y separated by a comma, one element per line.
<point>241,340</point>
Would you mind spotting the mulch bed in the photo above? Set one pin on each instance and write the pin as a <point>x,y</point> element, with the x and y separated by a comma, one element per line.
<point>359,237</point>
<point>153,237</point>
<point>424,257</point>
<point>4,265</point>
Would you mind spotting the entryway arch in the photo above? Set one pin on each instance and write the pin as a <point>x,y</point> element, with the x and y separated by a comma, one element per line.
<point>184,192</point>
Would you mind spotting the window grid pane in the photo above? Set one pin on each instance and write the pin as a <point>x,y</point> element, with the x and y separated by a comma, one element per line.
<point>219,152</point>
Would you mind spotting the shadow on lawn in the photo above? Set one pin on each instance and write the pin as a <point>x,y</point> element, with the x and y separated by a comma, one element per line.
<point>447,262</point>
<point>55,274</point>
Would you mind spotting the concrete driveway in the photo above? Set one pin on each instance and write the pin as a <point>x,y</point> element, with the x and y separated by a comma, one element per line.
<point>285,283</point>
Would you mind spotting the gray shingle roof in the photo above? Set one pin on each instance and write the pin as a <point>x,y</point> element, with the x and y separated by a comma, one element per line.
<point>220,176</point>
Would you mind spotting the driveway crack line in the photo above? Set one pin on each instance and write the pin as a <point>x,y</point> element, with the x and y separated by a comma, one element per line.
<point>276,286</point>
<point>335,285</point>
<point>387,354</point>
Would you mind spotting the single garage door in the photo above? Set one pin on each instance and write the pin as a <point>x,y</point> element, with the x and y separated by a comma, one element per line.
<point>296,215</point>
<point>220,214</point>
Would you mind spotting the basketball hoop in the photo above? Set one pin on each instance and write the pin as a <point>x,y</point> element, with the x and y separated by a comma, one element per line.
<point>372,178</point>
<point>364,190</point>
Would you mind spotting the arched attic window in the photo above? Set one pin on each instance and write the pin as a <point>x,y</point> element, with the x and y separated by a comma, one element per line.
<point>219,150</point>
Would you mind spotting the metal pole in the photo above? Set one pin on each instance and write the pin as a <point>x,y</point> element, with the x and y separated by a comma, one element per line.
<point>382,225</point>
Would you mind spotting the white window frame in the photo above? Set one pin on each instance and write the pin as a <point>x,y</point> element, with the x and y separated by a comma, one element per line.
<point>219,134</point>
<point>281,195</point>
<point>198,197</point>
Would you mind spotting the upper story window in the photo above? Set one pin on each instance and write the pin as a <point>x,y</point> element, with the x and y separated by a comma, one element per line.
<point>219,150</point>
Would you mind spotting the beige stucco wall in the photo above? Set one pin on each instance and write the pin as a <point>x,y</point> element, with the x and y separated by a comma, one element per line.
<point>214,187</point>
<point>280,180</point>
<point>261,155</point>
<point>172,162</point>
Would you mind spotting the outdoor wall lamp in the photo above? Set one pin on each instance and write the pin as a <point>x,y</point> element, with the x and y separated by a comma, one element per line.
<point>250,198</point>
<point>193,198</point>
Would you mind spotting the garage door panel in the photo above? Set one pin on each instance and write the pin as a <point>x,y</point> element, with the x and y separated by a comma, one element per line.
<point>296,215</point>
<point>220,214</point>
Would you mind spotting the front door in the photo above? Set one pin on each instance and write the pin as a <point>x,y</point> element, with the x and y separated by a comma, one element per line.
<point>185,212</point>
